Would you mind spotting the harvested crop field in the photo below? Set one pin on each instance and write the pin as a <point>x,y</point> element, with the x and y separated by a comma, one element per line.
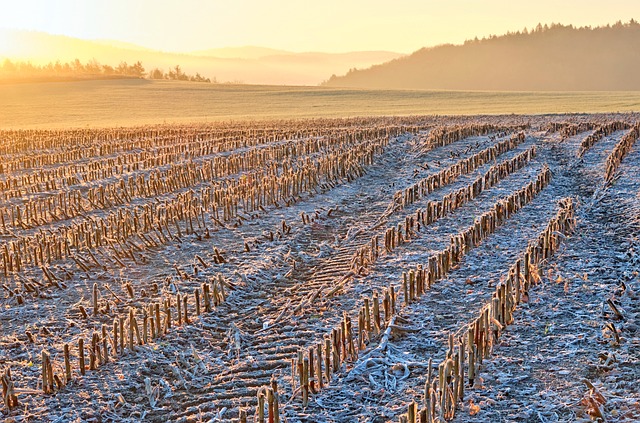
<point>130,102</point>
<point>382,269</point>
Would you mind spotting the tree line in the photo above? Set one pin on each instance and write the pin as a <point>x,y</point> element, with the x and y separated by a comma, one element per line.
<point>551,57</point>
<point>555,27</point>
<point>177,74</point>
<point>92,69</point>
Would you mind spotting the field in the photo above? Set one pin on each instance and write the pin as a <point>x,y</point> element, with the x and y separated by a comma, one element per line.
<point>379,269</point>
<point>137,102</point>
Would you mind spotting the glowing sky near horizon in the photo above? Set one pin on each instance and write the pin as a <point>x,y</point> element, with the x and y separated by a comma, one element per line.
<point>302,25</point>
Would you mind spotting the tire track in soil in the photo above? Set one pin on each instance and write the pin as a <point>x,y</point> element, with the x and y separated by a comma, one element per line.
<point>141,274</point>
<point>234,371</point>
<point>318,234</point>
<point>291,212</point>
<point>453,300</point>
<point>238,384</point>
<point>439,311</point>
<point>177,352</point>
<point>431,340</point>
<point>124,365</point>
<point>46,313</point>
<point>331,273</point>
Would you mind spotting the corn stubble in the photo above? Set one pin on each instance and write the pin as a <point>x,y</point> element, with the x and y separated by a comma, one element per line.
<point>79,209</point>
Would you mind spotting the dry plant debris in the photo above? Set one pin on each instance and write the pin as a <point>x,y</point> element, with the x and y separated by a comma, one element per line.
<point>412,269</point>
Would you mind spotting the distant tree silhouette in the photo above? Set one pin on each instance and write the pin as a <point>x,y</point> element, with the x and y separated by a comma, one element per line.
<point>156,74</point>
<point>92,69</point>
<point>137,70</point>
<point>108,70</point>
<point>122,68</point>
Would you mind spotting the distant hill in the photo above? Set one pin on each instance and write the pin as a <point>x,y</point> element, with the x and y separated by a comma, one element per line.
<point>245,52</point>
<point>555,58</point>
<point>250,65</point>
<point>122,45</point>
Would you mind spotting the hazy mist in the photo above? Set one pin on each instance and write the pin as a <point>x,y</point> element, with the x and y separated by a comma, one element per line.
<point>250,65</point>
<point>557,58</point>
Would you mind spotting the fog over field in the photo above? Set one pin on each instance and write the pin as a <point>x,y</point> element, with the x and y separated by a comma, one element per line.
<point>248,65</point>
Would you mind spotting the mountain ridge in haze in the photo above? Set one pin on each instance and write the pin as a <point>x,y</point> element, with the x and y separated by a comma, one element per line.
<point>257,65</point>
<point>241,52</point>
<point>121,44</point>
<point>549,58</point>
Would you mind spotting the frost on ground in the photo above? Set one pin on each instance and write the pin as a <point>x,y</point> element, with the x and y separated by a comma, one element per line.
<point>286,226</point>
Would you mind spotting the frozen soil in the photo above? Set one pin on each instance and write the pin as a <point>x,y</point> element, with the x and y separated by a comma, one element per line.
<point>558,343</point>
<point>207,370</point>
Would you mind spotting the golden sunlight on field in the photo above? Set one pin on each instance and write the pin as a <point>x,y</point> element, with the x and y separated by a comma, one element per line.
<point>133,102</point>
<point>342,211</point>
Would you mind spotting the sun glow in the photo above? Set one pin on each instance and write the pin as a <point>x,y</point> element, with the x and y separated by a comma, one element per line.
<point>6,44</point>
<point>331,26</point>
<point>277,42</point>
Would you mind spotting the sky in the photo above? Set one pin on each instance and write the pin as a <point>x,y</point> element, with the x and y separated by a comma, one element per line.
<point>302,25</point>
